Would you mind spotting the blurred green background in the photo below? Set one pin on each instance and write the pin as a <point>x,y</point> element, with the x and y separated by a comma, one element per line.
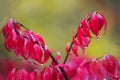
<point>57,20</point>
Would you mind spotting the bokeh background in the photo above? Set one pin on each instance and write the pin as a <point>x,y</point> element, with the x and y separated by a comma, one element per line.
<point>57,20</point>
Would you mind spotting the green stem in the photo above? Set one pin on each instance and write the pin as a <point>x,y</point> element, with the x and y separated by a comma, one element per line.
<point>64,73</point>
<point>61,68</point>
<point>91,60</point>
<point>52,57</point>
<point>23,26</point>
<point>72,45</point>
<point>68,52</point>
<point>69,49</point>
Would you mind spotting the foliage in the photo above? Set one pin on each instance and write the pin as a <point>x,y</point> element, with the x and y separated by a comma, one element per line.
<point>32,47</point>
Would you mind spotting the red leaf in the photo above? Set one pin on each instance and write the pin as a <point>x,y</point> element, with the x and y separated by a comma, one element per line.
<point>11,75</point>
<point>75,49</point>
